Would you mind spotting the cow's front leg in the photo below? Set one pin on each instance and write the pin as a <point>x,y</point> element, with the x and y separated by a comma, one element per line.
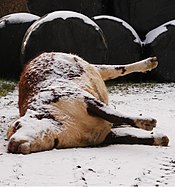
<point>33,135</point>
<point>141,123</point>
<point>97,108</point>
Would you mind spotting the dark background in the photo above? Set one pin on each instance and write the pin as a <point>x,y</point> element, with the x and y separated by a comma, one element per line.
<point>142,15</point>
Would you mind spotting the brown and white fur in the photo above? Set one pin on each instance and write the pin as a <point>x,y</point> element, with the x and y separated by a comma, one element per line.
<point>63,103</point>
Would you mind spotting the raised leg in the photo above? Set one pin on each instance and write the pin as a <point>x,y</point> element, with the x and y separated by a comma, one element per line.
<point>113,71</point>
<point>150,139</point>
<point>97,108</point>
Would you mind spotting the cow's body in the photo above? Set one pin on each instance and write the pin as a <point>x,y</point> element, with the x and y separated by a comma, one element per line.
<point>63,102</point>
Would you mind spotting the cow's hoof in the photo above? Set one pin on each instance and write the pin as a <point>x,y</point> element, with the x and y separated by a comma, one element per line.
<point>151,63</point>
<point>162,140</point>
<point>146,124</point>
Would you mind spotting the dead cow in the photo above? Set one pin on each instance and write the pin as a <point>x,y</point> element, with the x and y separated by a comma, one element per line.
<point>63,103</point>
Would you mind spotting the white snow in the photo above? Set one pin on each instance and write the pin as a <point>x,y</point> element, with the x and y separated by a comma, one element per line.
<point>124,23</point>
<point>152,35</point>
<point>17,18</point>
<point>69,14</point>
<point>114,165</point>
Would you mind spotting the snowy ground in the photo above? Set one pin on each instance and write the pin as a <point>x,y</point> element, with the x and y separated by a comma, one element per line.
<point>125,165</point>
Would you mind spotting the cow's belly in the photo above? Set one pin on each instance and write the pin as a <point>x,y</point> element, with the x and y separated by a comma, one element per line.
<point>78,128</point>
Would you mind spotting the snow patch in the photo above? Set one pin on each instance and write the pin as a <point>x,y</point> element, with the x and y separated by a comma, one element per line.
<point>152,35</point>
<point>115,165</point>
<point>69,14</point>
<point>17,18</point>
<point>134,132</point>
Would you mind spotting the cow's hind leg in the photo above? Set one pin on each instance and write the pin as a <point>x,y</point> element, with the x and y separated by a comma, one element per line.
<point>97,108</point>
<point>113,71</point>
<point>150,139</point>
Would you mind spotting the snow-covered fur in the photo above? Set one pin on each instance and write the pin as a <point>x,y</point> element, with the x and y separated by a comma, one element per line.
<point>12,6</point>
<point>63,102</point>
